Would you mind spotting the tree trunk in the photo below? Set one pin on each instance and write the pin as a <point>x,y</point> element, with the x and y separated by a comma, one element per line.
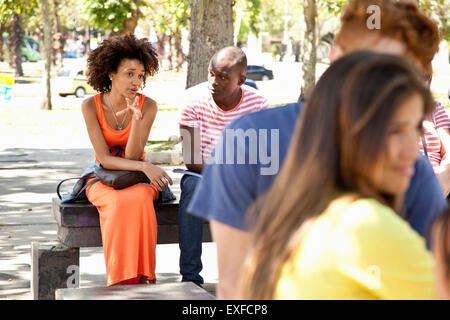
<point>129,24</point>
<point>171,53</point>
<point>16,33</point>
<point>309,49</point>
<point>2,29</point>
<point>179,50</point>
<point>57,51</point>
<point>161,47</point>
<point>47,102</point>
<point>211,29</point>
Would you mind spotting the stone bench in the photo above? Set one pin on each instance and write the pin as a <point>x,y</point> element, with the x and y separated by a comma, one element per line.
<point>56,265</point>
<point>79,224</point>
<point>162,291</point>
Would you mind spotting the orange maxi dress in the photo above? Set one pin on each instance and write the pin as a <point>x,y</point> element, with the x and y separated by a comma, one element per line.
<point>127,217</point>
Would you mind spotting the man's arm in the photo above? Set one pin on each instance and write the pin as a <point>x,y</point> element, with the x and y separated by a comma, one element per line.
<point>191,144</point>
<point>232,246</point>
<point>424,199</point>
<point>223,196</point>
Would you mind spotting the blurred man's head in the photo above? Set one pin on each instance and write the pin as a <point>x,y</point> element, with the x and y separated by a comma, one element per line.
<point>404,30</point>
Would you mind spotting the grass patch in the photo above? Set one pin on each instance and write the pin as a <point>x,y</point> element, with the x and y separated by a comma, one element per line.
<point>442,97</point>
<point>160,145</point>
<point>168,109</point>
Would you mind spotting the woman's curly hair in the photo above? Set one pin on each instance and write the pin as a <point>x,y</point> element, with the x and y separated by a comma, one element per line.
<point>106,58</point>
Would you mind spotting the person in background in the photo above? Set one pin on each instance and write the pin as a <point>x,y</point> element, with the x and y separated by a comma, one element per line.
<point>120,117</point>
<point>210,106</point>
<point>435,144</point>
<point>227,190</point>
<point>329,228</point>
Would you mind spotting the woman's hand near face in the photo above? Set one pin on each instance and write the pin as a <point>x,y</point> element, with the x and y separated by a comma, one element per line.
<point>159,178</point>
<point>140,129</point>
<point>132,109</point>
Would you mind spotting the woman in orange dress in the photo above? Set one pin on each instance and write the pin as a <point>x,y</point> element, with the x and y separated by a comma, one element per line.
<point>120,116</point>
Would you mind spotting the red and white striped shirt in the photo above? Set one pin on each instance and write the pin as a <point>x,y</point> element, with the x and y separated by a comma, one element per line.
<point>202,112</point>
<point>431,127</point>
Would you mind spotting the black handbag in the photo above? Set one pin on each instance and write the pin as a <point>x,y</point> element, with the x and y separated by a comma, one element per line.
<point>117,179</point>
<point>120,179</point>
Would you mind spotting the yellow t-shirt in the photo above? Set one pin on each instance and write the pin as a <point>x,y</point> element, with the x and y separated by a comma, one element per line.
<point>358,250</point>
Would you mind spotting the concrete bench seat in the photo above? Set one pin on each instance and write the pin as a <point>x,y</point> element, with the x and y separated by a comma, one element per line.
<point>163,291</point>
<point>79,224</point>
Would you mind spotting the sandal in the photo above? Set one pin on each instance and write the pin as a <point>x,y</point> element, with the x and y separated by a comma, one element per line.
<point>145,280</point>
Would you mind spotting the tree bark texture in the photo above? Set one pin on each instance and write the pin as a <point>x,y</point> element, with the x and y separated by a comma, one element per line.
<point>47,102</point>
<point>2,29</point>
<point>161,43</point>
<point>309,48</point>
<point>211,29</point>
<point>129,24</point>
<point>16,44</point>
<point>180,57</point>
<point>57,51</point>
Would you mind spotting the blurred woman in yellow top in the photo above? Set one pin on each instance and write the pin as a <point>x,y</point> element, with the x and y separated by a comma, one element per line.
<point>330,227</point>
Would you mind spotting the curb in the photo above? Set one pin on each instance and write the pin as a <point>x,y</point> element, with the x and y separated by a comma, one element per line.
<point>167,157</point>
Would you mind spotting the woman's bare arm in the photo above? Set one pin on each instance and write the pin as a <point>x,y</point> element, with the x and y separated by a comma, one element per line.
<point>117,163</point>
<point>140,130</point>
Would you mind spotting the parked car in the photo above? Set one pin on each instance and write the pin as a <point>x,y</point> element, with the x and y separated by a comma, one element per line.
<point>259,73</point>
<point>72,81</point>
<point>30,49</point>
<point>70,54</point>
<point>251,83</point>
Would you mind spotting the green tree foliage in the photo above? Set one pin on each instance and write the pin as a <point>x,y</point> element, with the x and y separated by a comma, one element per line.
<point>333,6</point>
<point>168,18</point>
<point>273,14</point>
<point>170,15</point>
<point>113,15</point>
<point>11,12</point>
<point>246,17</point>
<point>8,8</point>
<point>439,11</point>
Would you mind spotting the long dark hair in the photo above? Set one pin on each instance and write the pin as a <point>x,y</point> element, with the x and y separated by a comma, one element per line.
<point>339,139</point>
<point>441,240</point>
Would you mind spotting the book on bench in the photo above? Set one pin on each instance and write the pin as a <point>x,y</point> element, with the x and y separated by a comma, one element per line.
<point>192,173</point>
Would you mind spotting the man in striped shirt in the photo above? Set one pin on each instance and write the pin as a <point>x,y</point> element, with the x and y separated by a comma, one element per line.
<point>210,106</point>
<point>436,128</point>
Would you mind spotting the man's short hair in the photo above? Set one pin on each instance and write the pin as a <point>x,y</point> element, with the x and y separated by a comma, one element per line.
<point>401,20</point>
<point>234,54</point>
